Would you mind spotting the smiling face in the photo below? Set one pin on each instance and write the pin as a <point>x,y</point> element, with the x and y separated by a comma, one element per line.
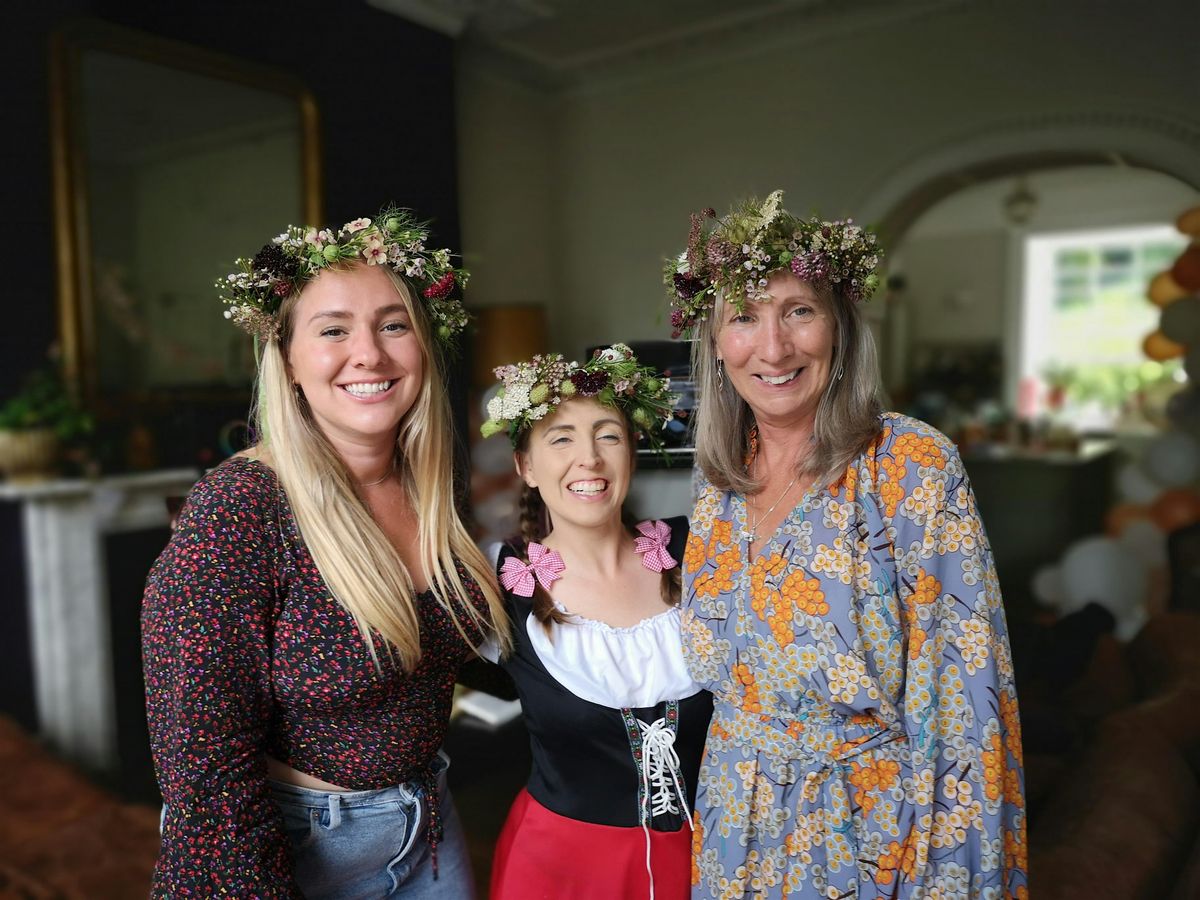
<point>580,459</point>
<point>354,354</point>
<point>778,354</point>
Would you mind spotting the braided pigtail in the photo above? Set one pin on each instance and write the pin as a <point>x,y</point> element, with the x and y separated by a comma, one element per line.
<point>534,527</point>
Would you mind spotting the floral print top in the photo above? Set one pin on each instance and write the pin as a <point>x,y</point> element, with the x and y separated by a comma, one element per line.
<point>864,740</point>
<point>247,654</point>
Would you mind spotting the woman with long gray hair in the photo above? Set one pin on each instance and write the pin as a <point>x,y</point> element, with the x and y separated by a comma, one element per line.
<point>839,595</point>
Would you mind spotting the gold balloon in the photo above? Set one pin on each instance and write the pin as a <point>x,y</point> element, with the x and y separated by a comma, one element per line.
<point>1186,270</point>
<point>1159,347</point>
<point>1164,289</point>
<point>1189,222</point>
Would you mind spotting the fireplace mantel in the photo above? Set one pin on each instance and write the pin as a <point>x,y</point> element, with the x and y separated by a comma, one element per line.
<point>64,524</point>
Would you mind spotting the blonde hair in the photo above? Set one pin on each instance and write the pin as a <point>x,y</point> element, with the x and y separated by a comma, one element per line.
<point>847,418</point>
<point>359,565</point>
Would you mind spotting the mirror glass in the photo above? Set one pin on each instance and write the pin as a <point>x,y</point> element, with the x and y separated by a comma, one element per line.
<point>175,162</point>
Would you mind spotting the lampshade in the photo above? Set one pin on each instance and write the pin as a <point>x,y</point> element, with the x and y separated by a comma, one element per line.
<point>505,334</point>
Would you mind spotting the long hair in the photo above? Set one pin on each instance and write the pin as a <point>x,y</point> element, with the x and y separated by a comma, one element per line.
<point>847,418</point>
<point>358,563</point>
<point>535,525</point>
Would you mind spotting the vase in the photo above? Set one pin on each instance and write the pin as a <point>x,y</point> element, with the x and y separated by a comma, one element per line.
<point>28,454</point>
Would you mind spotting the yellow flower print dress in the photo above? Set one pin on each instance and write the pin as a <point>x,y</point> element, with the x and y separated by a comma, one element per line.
<point>864,740</point>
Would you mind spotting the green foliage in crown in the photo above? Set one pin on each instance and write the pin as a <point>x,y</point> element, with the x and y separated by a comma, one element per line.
<point>253,294</point>
<point>533,390</point>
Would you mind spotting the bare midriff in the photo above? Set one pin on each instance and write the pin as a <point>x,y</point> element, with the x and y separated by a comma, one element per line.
<point>281,771</point>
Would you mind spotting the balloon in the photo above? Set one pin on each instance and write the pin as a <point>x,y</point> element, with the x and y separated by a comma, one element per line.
<point>1172,459</point>
<point>1164,289</point>
<point>1047,585</point>
<point>1102,570</point>
<point>1159,347</point>
<point>1144,539</point>
<point>1183,409</point>
<point>1122,515</point>
<point>1181,321</point>
<point>1191,362</point>
<point>1186,270</point>
<point>1135,486</point>
<point>1175,509</point>
<point>1189,222</point>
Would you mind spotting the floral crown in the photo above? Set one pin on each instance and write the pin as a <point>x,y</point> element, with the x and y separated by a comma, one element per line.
<point>736,256</point>
<point>532,390</point>
<point>254,294</point>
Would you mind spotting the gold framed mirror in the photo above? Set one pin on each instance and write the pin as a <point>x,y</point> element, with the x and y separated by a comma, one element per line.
<point>169,161</point>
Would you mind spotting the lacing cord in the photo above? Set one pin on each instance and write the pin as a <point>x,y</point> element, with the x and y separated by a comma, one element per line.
<point>662,785</point>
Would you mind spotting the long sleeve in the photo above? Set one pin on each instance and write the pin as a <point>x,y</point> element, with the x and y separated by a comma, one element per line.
<point>959,702</point>
<point>207,623</point>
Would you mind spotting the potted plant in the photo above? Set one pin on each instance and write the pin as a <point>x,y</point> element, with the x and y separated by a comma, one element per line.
<point>35,422</point>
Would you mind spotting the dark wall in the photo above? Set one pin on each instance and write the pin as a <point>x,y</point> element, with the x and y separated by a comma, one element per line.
<point>385,93</point>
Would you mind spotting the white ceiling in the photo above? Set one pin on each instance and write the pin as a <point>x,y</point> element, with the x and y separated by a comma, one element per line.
<point>561,39</point>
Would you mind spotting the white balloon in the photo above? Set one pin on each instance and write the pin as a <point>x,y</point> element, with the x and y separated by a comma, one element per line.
<point>1146,541</point>
<point>1172,459</point>
<point>1102,570</point>
<point>1135,486</point>
<point>1047,585</point>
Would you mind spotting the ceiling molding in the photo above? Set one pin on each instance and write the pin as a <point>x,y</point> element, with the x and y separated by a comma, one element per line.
<point>723,36</point>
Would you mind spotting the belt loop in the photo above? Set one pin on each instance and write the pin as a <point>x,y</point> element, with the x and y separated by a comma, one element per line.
<point>335,811</point>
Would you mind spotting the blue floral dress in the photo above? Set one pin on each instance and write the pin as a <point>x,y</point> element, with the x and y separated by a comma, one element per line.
<point>864,740</point>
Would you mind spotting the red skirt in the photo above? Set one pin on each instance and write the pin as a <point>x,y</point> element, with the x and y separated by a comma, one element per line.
<point>541,855</point>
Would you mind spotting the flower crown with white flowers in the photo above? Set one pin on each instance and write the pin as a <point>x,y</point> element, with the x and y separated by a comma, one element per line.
<point>532,390</point>
<point>254,294</point>
<point>736,256</point>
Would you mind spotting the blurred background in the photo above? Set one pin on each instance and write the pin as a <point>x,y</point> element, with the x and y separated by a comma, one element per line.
<point>1033,170</point>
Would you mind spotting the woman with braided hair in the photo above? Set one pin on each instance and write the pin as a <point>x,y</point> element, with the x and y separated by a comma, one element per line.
<point>616,724</point>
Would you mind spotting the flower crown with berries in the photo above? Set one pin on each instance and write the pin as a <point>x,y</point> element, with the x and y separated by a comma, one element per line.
<point>532,390</point>
<point>736,256</point>
<point>254,294</point>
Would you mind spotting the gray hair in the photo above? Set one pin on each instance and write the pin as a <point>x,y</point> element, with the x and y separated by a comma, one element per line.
<point>847,418</point>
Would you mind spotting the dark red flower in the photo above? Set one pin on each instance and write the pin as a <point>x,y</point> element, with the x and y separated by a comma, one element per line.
<point>441,287</point>
<point>588,384</point>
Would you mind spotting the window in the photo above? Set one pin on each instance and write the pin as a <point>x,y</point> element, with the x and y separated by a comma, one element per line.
<point>1085,314</point>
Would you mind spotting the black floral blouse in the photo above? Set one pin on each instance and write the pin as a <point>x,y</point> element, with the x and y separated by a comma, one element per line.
<point>247,654</point>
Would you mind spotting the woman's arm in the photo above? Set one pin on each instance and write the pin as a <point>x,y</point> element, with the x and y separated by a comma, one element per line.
<point>960,705</point>
<point>207,620</point>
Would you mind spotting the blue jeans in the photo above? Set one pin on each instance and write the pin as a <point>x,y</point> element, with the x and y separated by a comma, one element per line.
<point>366,845</point>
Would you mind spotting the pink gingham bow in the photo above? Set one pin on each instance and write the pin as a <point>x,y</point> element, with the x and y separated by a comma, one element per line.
<point>544,563</point>
<point>653,545</point>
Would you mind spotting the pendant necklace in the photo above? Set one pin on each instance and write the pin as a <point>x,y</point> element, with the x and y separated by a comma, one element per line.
<point>752,534</point>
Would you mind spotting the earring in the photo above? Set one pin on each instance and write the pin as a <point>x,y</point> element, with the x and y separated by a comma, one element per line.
<point>720,373</point>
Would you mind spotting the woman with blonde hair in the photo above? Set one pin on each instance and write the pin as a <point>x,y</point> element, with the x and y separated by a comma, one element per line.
<point>840,599</point>
<point>303,628</point>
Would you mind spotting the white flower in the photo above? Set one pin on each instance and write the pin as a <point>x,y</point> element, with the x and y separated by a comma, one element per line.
<point>356,225</point>
<point>539,411</point>
<point>495,408</point>
<point>229,313</point>
<point>612,354</point>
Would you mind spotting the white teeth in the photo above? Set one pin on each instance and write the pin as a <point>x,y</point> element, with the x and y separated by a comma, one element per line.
<point>587,487</point>
<point>779,379</point>
<point>365,389</point>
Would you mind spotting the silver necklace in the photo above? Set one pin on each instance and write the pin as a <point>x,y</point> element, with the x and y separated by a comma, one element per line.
<point>752,534</point>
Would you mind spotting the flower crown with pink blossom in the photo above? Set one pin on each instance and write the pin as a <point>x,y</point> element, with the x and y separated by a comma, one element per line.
<point>613,377</point>
<point>736,256</point>
<point>254,294</point>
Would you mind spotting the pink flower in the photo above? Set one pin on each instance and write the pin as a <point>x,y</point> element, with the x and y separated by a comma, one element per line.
<point>375,252</point>
<point>356,225</point>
